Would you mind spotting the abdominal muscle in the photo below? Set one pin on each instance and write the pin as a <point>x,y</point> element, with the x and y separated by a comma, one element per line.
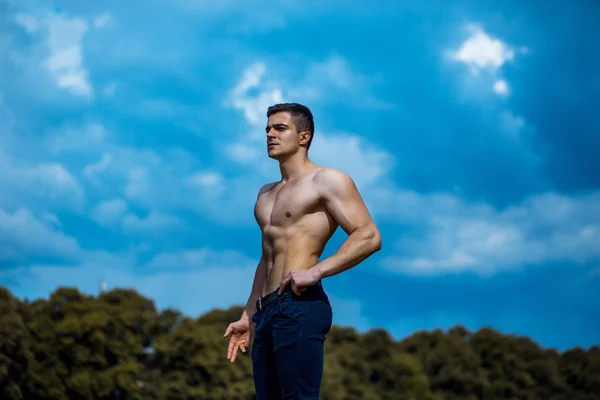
<point>288,249</point>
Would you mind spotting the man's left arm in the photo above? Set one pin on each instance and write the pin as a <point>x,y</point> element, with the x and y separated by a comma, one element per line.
<point>341,198</point>
<point>339,195</point>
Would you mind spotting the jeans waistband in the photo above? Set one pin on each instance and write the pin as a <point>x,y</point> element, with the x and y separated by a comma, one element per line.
<point>311,292</point>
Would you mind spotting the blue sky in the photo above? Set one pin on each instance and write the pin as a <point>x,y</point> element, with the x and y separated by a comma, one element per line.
<point>132,150</point>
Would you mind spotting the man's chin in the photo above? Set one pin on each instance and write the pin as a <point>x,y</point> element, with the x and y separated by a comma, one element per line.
<point>274,155</point>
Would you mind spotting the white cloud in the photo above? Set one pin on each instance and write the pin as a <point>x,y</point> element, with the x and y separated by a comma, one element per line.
<point>243,153</point>
<point>511,124</point>
<point>50,184</point>
<point>28,22</point>
<point>353,154</point>
<point>459,236</point>
<point>93,170</point>
<point>115,213</point>
<point>254,107</point>
<point>153,222</point>
<point>109,212</point>
<point>22,234</point>
<point>161,184</point>
<point>51,220</point>
<point>334,78</point>
<point>206,179</point>
<point>127,176</point>
<point>100,21</point>
<point>62,37</point>
<point>346,151</point>
<point>324,81</point>
<point>482,52</point>
<point>138,183</point>
<point>55,176</point>
<point>335,71</point>
<point>72,139</point>
<point>224,279</point>
<point>142,177</point>
<point>251,78</point>
<point>195,258</point>
<point>501,87</point>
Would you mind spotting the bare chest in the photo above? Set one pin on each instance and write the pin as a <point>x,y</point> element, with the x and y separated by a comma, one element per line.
<point>285,206</point>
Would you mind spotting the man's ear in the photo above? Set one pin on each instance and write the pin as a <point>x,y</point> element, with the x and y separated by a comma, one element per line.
<point>304,138</point>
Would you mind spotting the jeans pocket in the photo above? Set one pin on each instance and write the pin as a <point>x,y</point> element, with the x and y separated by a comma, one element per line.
<point>255,317</point>
<point>329,317</point>
<point>293,309</point>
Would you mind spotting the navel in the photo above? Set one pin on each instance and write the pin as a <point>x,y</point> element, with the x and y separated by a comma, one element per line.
<point>288,214</point>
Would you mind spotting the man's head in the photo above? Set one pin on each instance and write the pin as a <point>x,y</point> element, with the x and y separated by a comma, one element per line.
<point>290,127</point>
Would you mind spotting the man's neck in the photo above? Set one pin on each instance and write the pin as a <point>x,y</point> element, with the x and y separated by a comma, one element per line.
<point>294,166</point>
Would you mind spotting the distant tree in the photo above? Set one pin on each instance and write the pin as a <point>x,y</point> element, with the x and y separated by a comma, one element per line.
<point>73,346</point>
<point>15,349</point>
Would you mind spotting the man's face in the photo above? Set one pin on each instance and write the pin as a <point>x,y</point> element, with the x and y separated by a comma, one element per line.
<point>282,137</point>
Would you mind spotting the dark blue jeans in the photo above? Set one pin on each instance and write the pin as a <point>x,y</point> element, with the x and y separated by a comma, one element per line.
<point>288,348</point>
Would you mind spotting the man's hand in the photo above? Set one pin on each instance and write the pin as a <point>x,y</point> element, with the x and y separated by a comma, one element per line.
<point>241,335</point>
<point>300,279</point>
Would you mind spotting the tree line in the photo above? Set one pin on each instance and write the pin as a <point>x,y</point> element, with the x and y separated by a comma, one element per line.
<point>117,345</point>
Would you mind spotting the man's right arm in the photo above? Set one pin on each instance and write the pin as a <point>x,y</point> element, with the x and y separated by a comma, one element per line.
<point>260,276</point>
<point>257,288</point>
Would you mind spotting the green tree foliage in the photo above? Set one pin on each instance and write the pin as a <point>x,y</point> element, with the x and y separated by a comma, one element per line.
<point>117,345</point>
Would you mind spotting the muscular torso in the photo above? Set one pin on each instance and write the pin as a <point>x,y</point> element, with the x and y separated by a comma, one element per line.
<point>295,227</point>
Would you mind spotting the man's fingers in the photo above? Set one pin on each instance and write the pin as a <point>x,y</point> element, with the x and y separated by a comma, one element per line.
<point>298,289</point>
<point>230,349</point>
<point>233,348</point>
<point>232,352</point>
<point>284,283</point>
<point>239,345</point>
<point>228,331</point>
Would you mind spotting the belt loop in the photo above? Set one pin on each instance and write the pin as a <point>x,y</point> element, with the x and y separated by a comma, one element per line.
<point>260,303</point>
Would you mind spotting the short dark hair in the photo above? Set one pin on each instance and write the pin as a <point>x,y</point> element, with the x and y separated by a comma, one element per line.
<point>301,115</point>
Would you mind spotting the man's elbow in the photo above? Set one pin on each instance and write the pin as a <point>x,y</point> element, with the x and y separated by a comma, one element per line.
<point>377,242</point>
<point>374,238</point>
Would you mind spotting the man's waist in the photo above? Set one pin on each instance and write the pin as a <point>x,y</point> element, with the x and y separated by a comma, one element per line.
<point>277,272</point>
<point>269,298</point>
<point>264,301</point>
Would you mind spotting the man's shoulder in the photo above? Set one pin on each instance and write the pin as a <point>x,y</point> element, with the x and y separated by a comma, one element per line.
<point>265,188</point>
<point>332,176</point>
<point>333,182</point>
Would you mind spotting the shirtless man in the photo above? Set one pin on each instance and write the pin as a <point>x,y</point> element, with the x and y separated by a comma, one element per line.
<point>288,313</point>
